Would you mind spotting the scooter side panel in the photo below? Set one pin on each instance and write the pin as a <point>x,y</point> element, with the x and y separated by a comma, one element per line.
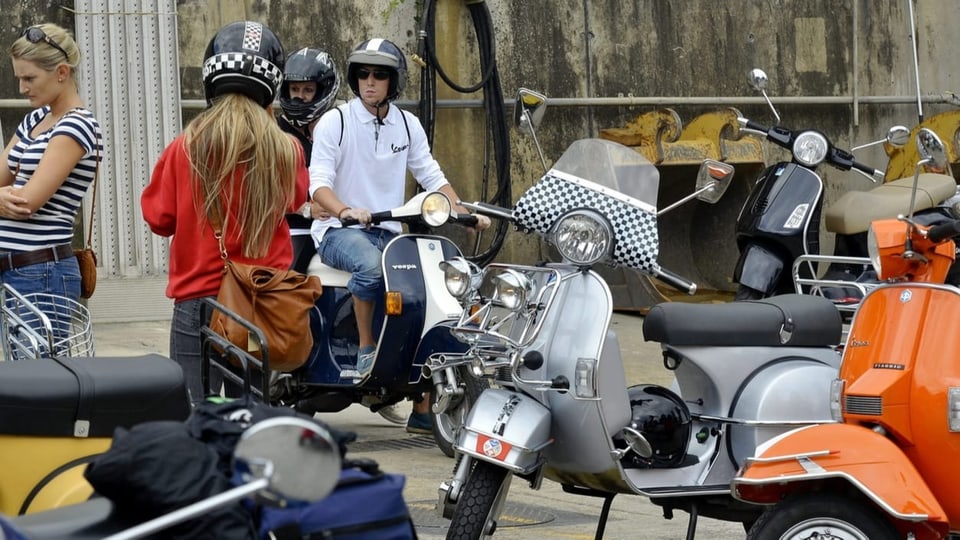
<point>790,389</point>
<point>808,458</point>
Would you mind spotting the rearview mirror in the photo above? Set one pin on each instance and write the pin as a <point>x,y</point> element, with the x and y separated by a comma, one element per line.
<point>713,179</point>
<point>931,149</point>
<point>298,458</point>
<point>529,110</point>
<point>898,136</point>
<point>758,79</point>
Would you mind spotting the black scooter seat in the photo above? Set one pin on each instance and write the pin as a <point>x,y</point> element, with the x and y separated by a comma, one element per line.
<point>91,520</point>
<point>790,320</point>
<point>89,397</point>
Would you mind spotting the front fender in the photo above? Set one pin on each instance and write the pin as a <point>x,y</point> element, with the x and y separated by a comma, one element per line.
<point>813,457</point>
<point>506,428</point>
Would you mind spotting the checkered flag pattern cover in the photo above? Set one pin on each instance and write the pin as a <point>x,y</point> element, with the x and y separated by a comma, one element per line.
<point>637,242</point>
<point>252,35</point>
<point>233,62</point>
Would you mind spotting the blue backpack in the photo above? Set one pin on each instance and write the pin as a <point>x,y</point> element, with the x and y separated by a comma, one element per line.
<point>367,503</point>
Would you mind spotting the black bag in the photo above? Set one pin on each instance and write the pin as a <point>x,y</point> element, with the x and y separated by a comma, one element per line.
<point>367,503</point>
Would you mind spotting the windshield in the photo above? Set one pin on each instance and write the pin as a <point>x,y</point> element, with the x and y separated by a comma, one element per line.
<point>613,166</point>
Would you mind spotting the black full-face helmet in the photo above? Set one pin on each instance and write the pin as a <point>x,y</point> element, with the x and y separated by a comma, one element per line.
<point>308,65</point>
<point>244,57</point>
<point>378,52</point>
<point>664,420</point>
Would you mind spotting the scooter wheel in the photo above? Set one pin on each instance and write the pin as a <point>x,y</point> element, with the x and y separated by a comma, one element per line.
<point>820,515</point>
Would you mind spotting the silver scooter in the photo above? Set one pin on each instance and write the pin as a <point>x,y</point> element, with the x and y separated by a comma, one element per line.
<point>559,406</point>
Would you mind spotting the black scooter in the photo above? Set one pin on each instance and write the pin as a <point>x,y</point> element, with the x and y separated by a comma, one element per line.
<point>780,219</point>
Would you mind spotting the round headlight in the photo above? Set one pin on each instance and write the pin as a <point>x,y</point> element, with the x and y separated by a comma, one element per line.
<point>513,289</point>
<point>460,276</point>
<point>873,249</point>
<point>583,237</point>
<point>810,148</point>
<point>435,209</point>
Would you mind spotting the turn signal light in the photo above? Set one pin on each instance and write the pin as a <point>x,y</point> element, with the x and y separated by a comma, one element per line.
<point>394,304</point>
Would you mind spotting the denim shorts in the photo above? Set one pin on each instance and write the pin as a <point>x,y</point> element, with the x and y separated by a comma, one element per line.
<point>358,251</point>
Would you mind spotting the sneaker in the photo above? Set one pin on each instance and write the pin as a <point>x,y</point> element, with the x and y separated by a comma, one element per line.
<point>365,358</point>
<point>396,413</point>
<point>419,423</point>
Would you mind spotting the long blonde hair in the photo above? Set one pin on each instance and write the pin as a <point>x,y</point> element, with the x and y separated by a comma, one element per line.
<point>236,135</point>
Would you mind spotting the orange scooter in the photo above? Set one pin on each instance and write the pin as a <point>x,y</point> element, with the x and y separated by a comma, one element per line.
<point>887,468</point>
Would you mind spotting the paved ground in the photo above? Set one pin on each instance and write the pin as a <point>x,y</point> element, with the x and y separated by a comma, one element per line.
<point>546,513</point>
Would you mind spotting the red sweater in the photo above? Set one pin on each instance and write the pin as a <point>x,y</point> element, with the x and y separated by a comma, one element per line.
<point>195,265</point>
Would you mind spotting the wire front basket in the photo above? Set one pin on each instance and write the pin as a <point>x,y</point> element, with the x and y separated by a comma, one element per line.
<point>42,325</point>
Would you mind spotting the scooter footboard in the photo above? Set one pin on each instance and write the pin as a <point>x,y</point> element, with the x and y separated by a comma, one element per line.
<point>506,428</point>
<point>812,457</point>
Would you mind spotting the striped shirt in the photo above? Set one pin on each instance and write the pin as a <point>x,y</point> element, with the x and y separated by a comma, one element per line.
<point>52,223</point>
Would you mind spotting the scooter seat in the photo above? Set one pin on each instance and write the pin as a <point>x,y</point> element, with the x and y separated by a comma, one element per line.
<point>790,320</point>
<point>329,276</point>
<point>855,210</point>
<point>91,520</point>
<point>89,397</point>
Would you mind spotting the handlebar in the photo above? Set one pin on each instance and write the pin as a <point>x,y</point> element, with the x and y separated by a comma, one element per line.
<point>945,231</point>
<point>675,280</point>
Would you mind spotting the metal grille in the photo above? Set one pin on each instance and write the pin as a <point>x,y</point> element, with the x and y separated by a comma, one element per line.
<point>130,78</point>
<point>865,405</point>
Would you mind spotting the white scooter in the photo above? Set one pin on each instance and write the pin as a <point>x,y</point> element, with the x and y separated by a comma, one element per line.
<point>560,408</point>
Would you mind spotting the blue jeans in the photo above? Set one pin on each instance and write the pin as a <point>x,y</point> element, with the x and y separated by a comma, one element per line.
<point>185,347</point>
<point>61,278</point>
<point>358,251</point>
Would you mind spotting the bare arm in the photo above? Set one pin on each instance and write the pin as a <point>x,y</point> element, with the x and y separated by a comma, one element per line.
<point>60,157</point>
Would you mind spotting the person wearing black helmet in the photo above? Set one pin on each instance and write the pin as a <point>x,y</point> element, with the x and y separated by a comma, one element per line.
<point>232,170</point>
<point>309,88</point>
<point>362,152</point>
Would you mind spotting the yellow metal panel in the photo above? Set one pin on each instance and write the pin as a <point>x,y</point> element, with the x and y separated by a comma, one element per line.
<point>903,161</point>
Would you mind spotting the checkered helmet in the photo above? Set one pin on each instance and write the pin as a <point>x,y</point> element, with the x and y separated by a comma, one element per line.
<point>244,57</point>
<point>378,52</point>
<point>308,65</point>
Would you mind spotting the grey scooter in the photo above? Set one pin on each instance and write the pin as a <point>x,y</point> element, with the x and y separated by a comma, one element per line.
<point>559,407</point>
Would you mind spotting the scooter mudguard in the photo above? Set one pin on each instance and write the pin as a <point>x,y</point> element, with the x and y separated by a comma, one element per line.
<point>759,268</point>
<point>506,428</point>
<point>821,456</point>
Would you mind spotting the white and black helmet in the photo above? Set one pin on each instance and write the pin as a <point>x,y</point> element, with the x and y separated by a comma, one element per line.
<point>307,65</point>
<point>378,52</point>
<point>243,57</point>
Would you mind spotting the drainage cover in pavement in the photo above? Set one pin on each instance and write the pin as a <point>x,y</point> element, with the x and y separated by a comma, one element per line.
<point>425,515</point>
<point>419,441</point>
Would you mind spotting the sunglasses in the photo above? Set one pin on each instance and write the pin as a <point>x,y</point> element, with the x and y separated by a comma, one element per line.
<point>35,34</point>
<point>378,74</point>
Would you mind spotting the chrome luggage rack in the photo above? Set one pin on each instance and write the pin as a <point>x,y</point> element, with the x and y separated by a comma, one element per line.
<point>816,286</point>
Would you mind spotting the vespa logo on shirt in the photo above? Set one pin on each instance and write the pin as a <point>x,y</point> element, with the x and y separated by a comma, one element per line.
<point>397,149</point>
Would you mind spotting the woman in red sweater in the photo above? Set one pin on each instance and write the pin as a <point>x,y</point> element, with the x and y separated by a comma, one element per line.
<point>232,169</point>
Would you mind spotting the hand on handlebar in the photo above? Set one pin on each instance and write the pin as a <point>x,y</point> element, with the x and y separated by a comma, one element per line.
<point>482,222</point>
<point>357,215</point>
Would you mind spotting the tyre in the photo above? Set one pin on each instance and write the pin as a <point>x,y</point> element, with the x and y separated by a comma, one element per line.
<point>817,515</point>
<point>445,425</point>
<point>746,293</point>
<point>480,503</point>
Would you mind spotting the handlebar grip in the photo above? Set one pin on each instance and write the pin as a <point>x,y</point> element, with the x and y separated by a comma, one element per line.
<point>746,123</point>
<point>869,171</point>
<point>675,280</point>
<point>347,222</point>
<point>469,220</point>
<point>939,233</point>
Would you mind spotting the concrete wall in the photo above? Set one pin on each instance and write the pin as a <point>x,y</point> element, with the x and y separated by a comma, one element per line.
<point>611,48</point>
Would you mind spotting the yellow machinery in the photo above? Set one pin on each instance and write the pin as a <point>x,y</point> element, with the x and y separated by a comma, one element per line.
<point>696,240</point>
<point>903,160</point>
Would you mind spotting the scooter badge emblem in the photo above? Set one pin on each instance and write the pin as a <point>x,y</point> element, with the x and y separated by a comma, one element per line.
<point>492,448</point>
<point>905,296</point>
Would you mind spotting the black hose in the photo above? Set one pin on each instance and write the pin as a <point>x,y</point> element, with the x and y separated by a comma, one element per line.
<point>495,114</point>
